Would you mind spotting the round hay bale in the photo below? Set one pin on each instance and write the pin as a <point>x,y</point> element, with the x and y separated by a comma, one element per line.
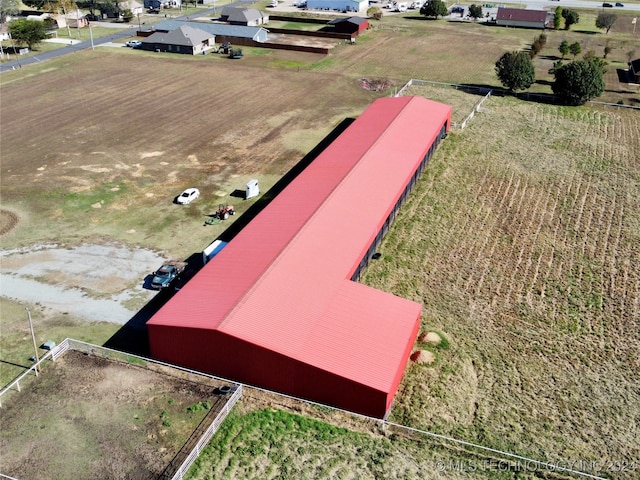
<point>431,337</point>
<point>423,357</point>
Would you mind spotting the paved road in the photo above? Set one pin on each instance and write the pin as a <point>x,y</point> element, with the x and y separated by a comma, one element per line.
<point>76,47</point>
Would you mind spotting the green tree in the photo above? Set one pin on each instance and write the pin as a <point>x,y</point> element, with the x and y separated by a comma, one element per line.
<point>375,13</point>
<point>564,48</point>
<point>434,8</point>
<point>538,44</point>
<point>578,82</point>
<point>607,50</point>
<point>475,11</point>
<point>571,17</point>
<point>630,55</point>
<point>556,65</point>
<point>557,18</point>
<point>606,21</point>
<point>30,32</point>
<point>8,8</point>
<point>127,15</point>
<point>574,49</point>
<point>515,70</point>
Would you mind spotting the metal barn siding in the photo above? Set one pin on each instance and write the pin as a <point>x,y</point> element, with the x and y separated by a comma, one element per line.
<point>277,308</point>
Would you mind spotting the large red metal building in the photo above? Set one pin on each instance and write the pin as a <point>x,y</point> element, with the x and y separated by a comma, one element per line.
<point>280,307</point>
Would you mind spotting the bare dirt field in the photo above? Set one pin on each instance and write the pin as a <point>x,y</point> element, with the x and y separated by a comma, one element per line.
<point>521,240</point>
<point>86,417</point>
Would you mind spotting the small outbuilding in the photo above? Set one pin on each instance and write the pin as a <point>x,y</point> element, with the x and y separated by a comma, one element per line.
<point>252,189</point>
<point>351,25</point>
<point>523,18</point>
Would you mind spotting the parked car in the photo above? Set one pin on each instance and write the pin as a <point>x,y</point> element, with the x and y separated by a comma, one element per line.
<point>607,5</point>
<point>165,275</point>
<point>188,196</point>
<point>133,44</point>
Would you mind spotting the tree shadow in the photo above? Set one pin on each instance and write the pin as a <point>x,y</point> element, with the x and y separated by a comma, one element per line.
<point>553,58</point>
<point>544,82</point>
<point>585,32</point>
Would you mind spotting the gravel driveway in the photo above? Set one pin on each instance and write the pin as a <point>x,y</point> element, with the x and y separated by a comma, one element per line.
<point>91,282</point>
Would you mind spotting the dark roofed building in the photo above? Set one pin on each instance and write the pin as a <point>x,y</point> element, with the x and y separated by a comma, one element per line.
<point>350,25</point>
<point>523,18</point>
<point>184,39</point>
<point>217,30</point>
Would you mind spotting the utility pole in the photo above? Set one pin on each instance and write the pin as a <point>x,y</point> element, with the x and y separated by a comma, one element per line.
<point>33,337</point>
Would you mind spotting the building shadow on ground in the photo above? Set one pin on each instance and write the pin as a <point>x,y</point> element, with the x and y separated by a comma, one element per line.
<point>133,337</point>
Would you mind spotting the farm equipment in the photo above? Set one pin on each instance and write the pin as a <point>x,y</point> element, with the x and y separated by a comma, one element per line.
<point>223,213</point>
<point>224,48</point>
<point>235,53</point>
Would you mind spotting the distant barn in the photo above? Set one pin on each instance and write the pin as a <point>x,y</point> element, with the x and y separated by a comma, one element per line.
<point>280,306</point>
<point>523,18</point>
<point>350,25</point>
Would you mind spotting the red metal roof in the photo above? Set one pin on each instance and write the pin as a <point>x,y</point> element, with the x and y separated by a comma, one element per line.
<point>283,282</point>
<point>521,15</point>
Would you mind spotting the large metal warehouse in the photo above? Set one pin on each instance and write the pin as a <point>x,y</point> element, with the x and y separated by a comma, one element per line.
<point>280,307</point>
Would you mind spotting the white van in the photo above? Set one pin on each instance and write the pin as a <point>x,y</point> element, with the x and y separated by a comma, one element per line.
<point>212,250</point>
<point>401,7</point>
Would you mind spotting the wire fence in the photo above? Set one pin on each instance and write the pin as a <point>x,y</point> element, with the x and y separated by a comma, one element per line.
<point>178,467</point>
<point>487,92</point>
<point>200,437</point>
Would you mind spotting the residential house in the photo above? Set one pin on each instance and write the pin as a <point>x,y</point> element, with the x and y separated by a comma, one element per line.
<point>249,17</point>
<point>185,39</point>
<point>221,31</point>
<point>135,7</point>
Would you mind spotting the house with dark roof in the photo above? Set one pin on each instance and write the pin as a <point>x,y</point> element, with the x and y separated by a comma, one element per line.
<point>221,31</point>
<point>634,70</point>
<point>523,18</point>
<point>350,25</point>
<point>184,39</point>
<point>244,16</point>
